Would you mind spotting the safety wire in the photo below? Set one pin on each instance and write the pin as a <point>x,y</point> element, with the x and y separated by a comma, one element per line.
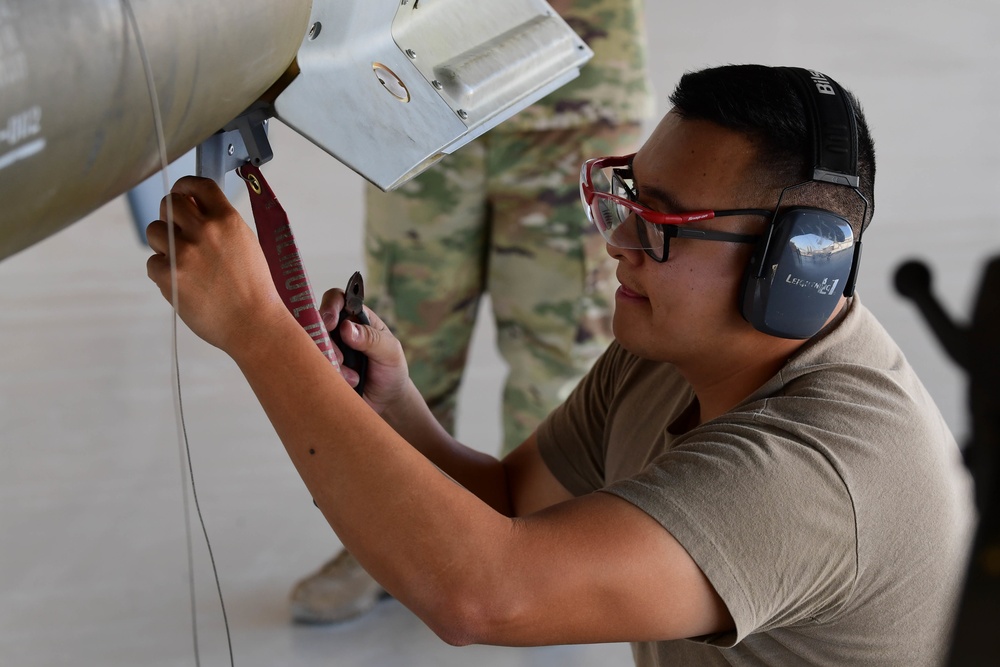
<point>184,447</point>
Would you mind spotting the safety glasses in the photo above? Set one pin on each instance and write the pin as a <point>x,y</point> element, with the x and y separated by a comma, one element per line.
<point>607,189</point>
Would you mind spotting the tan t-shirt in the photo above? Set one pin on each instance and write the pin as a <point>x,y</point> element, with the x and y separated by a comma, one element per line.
<point>830,510</point>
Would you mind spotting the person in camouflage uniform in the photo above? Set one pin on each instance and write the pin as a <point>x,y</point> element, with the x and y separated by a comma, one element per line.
<point>502,216</point>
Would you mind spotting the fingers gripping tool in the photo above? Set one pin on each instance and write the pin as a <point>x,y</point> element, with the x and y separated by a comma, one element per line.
<point>353,310</point>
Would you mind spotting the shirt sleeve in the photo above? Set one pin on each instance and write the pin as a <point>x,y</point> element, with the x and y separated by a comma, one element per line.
<point>571,440</point>
<point>764,515</point>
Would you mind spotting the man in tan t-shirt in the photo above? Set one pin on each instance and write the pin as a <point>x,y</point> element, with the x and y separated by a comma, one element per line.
<point>751,474</point>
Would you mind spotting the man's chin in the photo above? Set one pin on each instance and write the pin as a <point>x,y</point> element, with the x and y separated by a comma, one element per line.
<point>625,335</point>
<point>629,337</point>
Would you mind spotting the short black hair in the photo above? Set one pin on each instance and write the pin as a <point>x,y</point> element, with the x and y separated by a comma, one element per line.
<point>764,104</point>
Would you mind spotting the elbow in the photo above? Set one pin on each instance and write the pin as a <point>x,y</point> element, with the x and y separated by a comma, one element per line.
<point>457,619</point>
<point>480,601</point>
<point>453,634</point>
<point>464,617</point>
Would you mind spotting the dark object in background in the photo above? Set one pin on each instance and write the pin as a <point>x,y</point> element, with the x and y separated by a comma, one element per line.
<point>976,348</point>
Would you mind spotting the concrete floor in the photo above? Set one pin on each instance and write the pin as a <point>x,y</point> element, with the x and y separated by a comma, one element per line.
<point>93,565</point>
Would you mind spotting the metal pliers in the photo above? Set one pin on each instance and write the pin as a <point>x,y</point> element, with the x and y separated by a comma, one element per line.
<point>353,310</point>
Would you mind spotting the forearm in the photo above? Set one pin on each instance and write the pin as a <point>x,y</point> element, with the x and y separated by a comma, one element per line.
<point>394,510</point>
<point>428,540</point>
<point>481,473</point>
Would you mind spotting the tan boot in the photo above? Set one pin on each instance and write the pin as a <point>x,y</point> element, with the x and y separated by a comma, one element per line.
<point>340,590</point>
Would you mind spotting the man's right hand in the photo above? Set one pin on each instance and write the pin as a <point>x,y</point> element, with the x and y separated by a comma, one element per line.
<point>387,378</point>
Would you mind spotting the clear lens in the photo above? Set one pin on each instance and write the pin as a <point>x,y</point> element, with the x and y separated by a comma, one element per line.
<point>601,211</point>
<point>620,188</point>
<point>654,240</point>
<point>610,215</point>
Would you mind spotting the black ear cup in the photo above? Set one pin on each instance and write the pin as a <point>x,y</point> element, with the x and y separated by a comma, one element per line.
<point>798,273</point>
<point>809,256</point>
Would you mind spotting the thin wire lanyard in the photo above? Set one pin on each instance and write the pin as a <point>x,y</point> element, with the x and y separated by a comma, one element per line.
<point>184,446</point>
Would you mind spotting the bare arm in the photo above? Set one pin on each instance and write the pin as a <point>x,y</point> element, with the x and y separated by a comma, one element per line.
<point>518,485</point>
<point>581,570</point>
<point>589,569</point>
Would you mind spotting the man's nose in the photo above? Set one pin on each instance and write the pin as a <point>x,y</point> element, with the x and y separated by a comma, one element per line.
<point>632,256</point>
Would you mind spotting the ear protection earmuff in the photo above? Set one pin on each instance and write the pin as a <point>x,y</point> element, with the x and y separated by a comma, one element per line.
<point>808,257</point>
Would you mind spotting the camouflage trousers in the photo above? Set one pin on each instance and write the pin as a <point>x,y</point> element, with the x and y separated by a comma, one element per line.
<point>500,216</point>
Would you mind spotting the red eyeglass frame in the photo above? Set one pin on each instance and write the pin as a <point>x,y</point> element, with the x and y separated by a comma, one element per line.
<point>668,221</point>
<point>588,193</point>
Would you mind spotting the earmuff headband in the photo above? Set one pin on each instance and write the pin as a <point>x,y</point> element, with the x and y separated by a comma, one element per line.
<point>835,139</point>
